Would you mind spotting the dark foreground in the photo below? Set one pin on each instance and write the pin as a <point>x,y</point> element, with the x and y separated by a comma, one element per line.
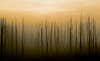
<point>52,58</point>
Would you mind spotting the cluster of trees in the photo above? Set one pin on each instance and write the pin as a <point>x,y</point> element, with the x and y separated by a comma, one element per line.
<point>47,38</point>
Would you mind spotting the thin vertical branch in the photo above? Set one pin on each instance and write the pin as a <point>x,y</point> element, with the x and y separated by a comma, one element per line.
<point>81,29</point>
<point>55,39</point>
<point>16,33</point>
<point>89,34</point>
<point>46,36</point>
<point>12,37</point>
<point>76,38</point>
<point>70,31</point>
<point>2,34</point>
<point>22,37</point>
<point>80,33</point>
<point>51,37</point>
<point>5,35</point>
<point>42,40</point>
<point>94,35</point>
<point>31,31</point>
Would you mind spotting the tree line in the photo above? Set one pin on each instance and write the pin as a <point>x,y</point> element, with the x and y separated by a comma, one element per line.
<point>48,38</point>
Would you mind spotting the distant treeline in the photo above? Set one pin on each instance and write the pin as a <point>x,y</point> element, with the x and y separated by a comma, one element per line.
<point>69,37</point>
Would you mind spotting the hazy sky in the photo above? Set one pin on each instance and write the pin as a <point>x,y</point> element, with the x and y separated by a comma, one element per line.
<point>45,6</point>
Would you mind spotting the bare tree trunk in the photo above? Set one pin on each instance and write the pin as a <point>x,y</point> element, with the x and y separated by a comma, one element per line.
<point>22,52</point>
<point>12,38</point>
<point>80,34</point>
<point>16,38</point>
<point>76,39</point>
<point>2,34</point>
<point>46,31</point>
<point>51,37</point>
<point>31,38</point>
<point>94,37</point>
<point>42,40</point>
<point>5,33</point>
<point>89,35</point>
<point>70,34</point>
<point>55,40</point>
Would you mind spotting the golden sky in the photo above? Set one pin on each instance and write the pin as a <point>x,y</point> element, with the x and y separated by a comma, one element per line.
<point>47,6</point>
<point>53,9</point>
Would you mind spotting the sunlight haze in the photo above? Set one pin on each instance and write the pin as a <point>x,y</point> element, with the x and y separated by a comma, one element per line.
<point>47,6</point>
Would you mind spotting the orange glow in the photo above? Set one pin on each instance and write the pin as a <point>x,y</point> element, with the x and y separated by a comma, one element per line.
<point>47,6</point>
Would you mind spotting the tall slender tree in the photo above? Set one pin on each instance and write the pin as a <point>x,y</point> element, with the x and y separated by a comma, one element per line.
<point>2,36</point>
<point>70,33</point>
<point>41,39</point>
<point>12,38</point>
<point>51,39</point>
<point>16,36</point>
<point>23,39</point>
<point>89,34</point>
<point>81,29</point>
<point>5,35</point>
<point>95,35</point>
<point>46,34</point>
<point>76,37</point>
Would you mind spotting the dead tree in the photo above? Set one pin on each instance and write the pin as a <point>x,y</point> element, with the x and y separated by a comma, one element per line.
<point>2,29</point>
<point>38,36</point>
<point>41,40</point>
<point>57,40</point>
<point>23,39</point>
<point>70,33</point>
<point>2,22</point>
<point>16,36</point>
<point>89,35</point>
<point>31,31</point>
<point>46,34</point>
<point>12,38</point>
<point>81,29</point>
<point>76,37</point>
<point>55,35</point>
<point>51,39</point>
<point>5,34</point>
<point>94,35</point>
